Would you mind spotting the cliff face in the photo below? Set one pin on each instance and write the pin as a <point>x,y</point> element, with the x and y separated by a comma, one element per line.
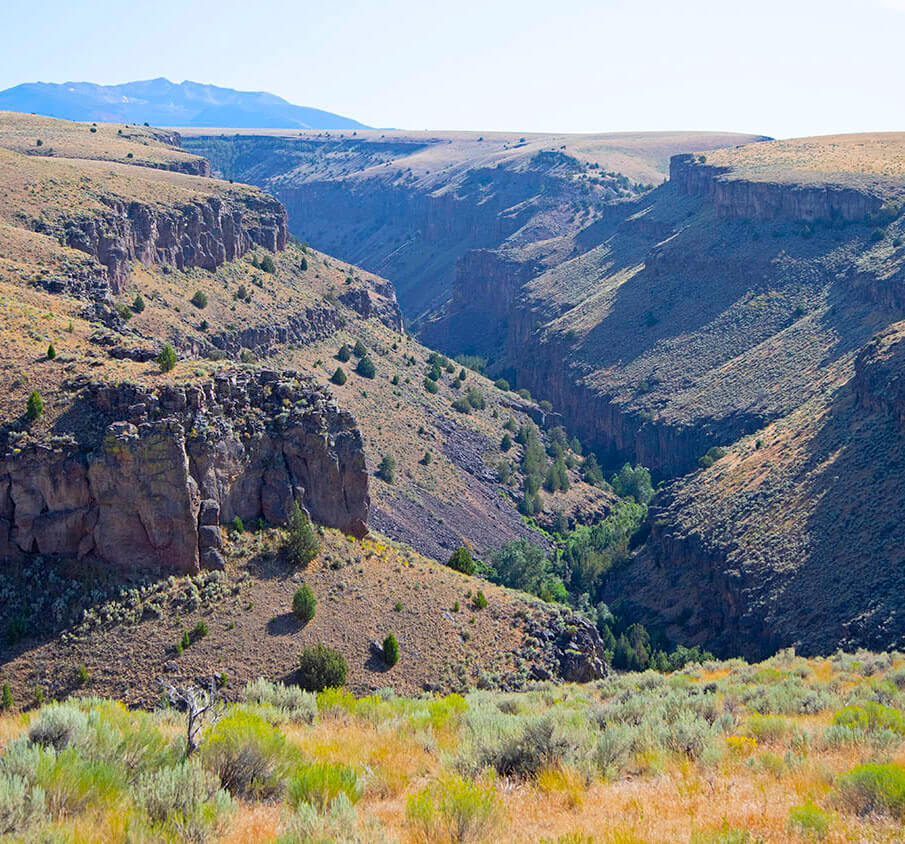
<point>410,235</point>
<point>410,208</point>
<point>735,197</point>
<point>173,463</point>
<point>205,233</point>
<point>655,338</point>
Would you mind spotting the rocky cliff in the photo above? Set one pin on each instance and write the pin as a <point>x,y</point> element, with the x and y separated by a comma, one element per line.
<point>736,197</point>
<point>411,205</point>
<point>154,472</point>
<point>205,233</point>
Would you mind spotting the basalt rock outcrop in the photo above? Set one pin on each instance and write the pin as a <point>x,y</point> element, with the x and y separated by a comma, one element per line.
<point>205,233</point>
<point>736,197</point>
<point>150,474</point>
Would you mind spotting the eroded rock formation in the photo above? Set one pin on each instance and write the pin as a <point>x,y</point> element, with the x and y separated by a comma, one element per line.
<point>205,233</point>
<point>175,462</point>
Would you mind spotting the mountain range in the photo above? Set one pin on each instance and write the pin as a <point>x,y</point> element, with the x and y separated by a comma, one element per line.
<point>164,103</point>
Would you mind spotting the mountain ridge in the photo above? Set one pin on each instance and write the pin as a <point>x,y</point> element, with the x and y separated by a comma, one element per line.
<point>164,103</point>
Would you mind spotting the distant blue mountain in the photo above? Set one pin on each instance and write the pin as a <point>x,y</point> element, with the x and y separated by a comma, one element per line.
<point>163,103</point>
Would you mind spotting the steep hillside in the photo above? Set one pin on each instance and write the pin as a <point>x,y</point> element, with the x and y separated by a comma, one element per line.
<point>731,307</point>
<point>176,370</point>
<point>163,103</point>
<point>410,205</point>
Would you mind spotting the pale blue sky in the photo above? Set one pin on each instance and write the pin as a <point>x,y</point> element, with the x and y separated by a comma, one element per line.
<point>778,67</point>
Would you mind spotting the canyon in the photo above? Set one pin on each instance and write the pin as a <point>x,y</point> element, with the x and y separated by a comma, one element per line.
<point>736,297</point>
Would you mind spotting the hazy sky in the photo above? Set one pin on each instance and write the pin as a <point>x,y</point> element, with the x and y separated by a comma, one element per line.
<point>776,67</point>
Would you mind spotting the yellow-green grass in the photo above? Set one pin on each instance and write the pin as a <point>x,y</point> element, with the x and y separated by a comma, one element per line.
<point>435,769</point>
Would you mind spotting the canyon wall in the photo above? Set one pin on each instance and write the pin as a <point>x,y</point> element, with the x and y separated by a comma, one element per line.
<point>736,197</point>
<point>175,462</point>
<point>205,233</point>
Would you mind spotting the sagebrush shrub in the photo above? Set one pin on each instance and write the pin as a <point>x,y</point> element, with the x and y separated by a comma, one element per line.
<point>251,757</point>
<point>58,726</point>
<point>295,703</point>
<point>19,804</point>
<point>185,799</point>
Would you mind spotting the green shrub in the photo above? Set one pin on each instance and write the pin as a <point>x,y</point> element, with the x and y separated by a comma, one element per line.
<point>166,360</point>
<point>184,800</point>
<point>809,820</point>
<point>267,265</point>
<point>873,788</point>
<point>321,667</point>
<point>480,600</point>
<point>767,728</point>
<point>520,564</point>
<point>506,442</point>
<point>138,304</point>
<point>321,782</point>
<point>501,384</point>
<point>200,630</point>
<point>51,352</point>
<point>199,300</point>
<point>71,783</point>
<point>301,545</point>
<point>251,757</point>
<point>386,471</point>
<point>462,405</point>
<point>454,810</point>
<point>359,349</point>
<point>592,472</point>
<point>557,479</point>
<point>476,398</point>
<point>634,482</point>
<point>304,603</point>
<point>713,454</point>
<point>237,525</point>
<point>390,650</point>
<point>344,352</point>
<point>338,377</point>
<point>6,698</point>
<point>870,717</point>
<point>366,368</point>
<point>461,560</point>
<point>431,386</point>
<point>34,407</point>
